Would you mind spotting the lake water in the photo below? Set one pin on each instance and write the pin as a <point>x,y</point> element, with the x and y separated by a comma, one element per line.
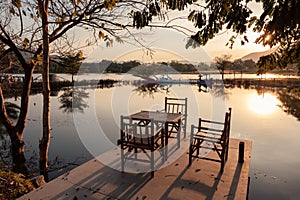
<point>257,115</point>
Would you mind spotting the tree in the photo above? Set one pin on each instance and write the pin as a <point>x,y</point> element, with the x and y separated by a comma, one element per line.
<point>238,65</point>
<point>45,141</point>
<point>278,25</point>
<point>250,65</point>
<point>30,29</point>
<point>223,62</point>
<point>5,61</point>
<point>71,62</point>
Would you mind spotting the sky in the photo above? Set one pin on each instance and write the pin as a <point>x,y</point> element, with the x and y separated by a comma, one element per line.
<point>168,45</point>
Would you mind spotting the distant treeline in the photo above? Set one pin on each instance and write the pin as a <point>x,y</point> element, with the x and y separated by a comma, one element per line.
<point>125,67</point>
<point>181,67</point>
<point>237,66</point>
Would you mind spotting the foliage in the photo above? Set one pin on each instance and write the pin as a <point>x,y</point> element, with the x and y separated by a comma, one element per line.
<point>70,63</point>
<point>244,66</point>
<point>183,67</point>
<point>223,62</point>
<point>278,25</point>
<point>13,185</point>
<point>110,21</point>
<point>115,67</point>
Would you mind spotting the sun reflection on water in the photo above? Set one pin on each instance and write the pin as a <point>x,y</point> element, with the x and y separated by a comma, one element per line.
<point>263,104</point>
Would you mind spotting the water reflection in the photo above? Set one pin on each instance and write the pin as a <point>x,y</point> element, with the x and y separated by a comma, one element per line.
<point>149,87</point>
<point>264,104</point>
<point>290,99</point>
<point>268,99</point>
<point>218,90</point>
<point>72,100</point>
<point>13,111</point>
<point>20,163</point>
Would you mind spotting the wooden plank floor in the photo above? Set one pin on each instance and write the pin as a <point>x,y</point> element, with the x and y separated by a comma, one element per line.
<point>94,180</point>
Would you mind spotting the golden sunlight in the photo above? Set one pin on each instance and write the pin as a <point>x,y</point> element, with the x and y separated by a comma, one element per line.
<point>263,104</point>
<point>268,37</point>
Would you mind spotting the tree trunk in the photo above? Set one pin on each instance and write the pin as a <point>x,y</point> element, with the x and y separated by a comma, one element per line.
<point>16,132</point>
<point>45,142</point>
<point>17,141</point>
<point>17,147</point>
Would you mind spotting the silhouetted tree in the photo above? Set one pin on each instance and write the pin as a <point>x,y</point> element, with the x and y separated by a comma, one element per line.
<point>70,63</point>
<point>223,62</point>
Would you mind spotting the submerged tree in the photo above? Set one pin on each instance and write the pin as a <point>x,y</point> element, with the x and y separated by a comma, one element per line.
<point>71,62</point>
<point>223,62</point>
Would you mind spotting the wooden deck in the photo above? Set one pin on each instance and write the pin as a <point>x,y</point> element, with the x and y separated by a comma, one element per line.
<point>94,180</point>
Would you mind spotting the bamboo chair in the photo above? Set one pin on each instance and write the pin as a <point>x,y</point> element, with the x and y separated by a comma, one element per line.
<point>140,137</point>
<point>211,135</point>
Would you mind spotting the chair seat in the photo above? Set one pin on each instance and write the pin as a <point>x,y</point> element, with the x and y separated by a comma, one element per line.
<point>145,143</point>
<point>209,137</point>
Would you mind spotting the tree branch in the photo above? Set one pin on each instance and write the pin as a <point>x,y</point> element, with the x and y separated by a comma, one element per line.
<point>8,41</point>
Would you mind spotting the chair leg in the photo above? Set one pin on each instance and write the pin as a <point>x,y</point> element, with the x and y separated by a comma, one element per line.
<point>122,159</point>
<point>184,129</point>
<point>222,166</point>
<point>227,147</point>
<point>223,157</point>
<point>152,164</point>
<point>198,146</point>
<point>190,155</point>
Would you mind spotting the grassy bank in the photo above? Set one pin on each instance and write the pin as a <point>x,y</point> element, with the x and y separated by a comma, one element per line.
<point>13,185</point>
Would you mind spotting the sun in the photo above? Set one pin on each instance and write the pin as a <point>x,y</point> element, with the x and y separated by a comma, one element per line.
<point>268,37</point>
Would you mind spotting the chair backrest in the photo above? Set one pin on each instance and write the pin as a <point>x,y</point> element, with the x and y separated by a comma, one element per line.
<point>216,127</point>
<point>134,133</point>
<point>176,105</point>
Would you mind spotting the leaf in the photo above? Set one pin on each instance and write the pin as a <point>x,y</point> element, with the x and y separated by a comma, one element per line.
<point>80,55</point>
<point>12,10</point>
<point>119,40</point>
<point>75,13</point>
<point>191,15</point>
<point>101,35</point>
<point>16,3</point>
<point>25,42</point>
